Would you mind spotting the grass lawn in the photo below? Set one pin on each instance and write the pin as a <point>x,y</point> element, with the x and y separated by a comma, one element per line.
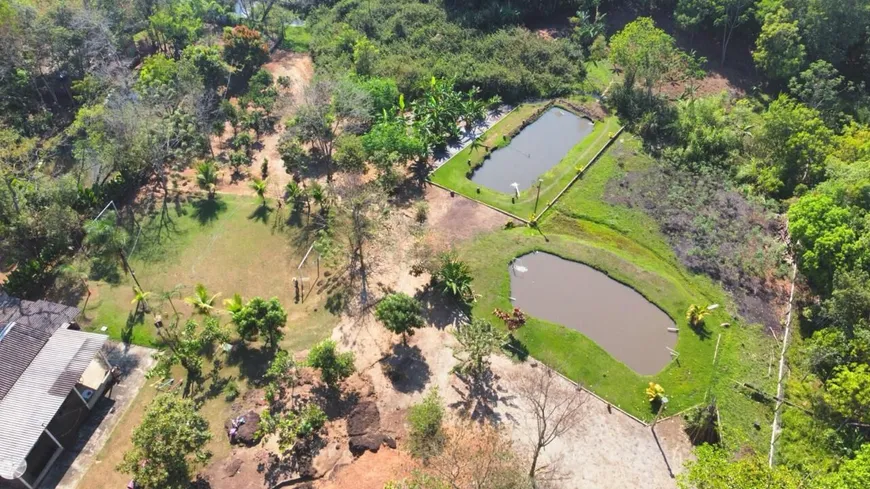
<point>297,38</point>
<point>231,245</point>
<point>627,245</point>
<point>452,174</point>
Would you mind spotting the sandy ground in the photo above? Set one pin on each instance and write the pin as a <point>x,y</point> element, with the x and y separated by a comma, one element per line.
<point>608,449</point>
<point>72,465</point>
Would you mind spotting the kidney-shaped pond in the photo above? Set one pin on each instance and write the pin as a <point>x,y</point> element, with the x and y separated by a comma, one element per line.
<point>615,316</point>
<point>536,149</point>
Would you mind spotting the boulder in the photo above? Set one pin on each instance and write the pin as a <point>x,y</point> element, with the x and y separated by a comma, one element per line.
<point>363,419</point>
<point>246,434</point>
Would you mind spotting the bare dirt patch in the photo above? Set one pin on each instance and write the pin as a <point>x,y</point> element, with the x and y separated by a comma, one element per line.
<point>454,218</point>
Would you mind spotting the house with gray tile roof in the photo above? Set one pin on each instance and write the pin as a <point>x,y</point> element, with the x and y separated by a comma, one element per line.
<point>51,376</point>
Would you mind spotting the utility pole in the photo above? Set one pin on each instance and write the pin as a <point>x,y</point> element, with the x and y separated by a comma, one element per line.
<point>538,196</point>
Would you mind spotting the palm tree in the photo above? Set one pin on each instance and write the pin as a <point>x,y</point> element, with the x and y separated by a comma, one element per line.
<point>695,314</point>
<point>207,177</point>
<point>200,300</point>
<point>140,298</point>
<point>234,303</point>
<point>455,278</point>
<point>259,187</point>
<point>320,195</point>
<point>477,143</point>
<point>294,193</point>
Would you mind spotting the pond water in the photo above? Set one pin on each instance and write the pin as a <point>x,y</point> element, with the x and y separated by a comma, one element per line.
<point>536,149</point>
<point>615,316</point>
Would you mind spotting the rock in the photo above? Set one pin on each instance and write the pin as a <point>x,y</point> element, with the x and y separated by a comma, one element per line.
<point>246,433</point>
<point>363,419</point>
<point>232,468</point>
<point>390,442</point>
<point>371,442</point>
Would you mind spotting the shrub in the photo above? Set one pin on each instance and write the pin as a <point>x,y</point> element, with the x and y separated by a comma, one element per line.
<point>455,278</point>
<point>334,367</point>
<point>426,435</point>
<point>231,390</point>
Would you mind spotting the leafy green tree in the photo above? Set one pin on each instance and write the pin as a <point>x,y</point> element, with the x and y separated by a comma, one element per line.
<point>824,236</point>
<point>157,71</point>
<point>295,158</point>
<point>334,366</point>
<point>293,427</point>
<point>426,419</point>
<point>644,51</point>
<point>209,64</point>
<point>171,437</point>
<point>261,317</point>
<point>364,56</point>
<point>207,177</point>
<point>821,87</point>
<point>477,340</point>
<point>852,473</point>
<point>140,299</point>
<point>201,301</point>
<point>391,135</point>
<point>350,155</point>
<point>848,392</point>
<point>175,25</point>
<point>455,278</point>
<point>779,51</point>
<point>714,470</point>
<point>383,93</point>
<point>791,148</point>
<point>186,346</point>
<point>727,15</point>
<point>401,314</point>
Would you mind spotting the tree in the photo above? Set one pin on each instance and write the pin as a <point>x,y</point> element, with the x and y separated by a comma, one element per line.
<point>400,314</point>
<point>293,426</point>
<point>556,406</point>
<point>714,470</point>
<point>207,177</point>
<point>259,187</point>
<point>244,50</point>
<point>824,235</point>
<point>171,436</point>
<point>295,158</point>
<point>848,392</point>
<point>729,15</point>
<point>350,155</point>
<point>426,435</point>
<point>477,340</point>
<point>644,51</point>
<point>475,455</point>
<point>157,71</point>
<point>821,87</point>
<point>208,62</point>
<point>261,317</point>
<point>778,49</point>
<point>234,303</point>
<point>140,299</point>
<point>791,147</point>
<point>106,240</point>
<point>852,473</point>
<point>186,345</point>
<point>334,367</point>
<point>201,302</point>
<point>455,278</point>
<point>329,108</point>
<point>695,315</point>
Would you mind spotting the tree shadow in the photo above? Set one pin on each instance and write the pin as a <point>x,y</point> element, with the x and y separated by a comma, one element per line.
<point>134,318</point>
<point>295,467</point>
<point>406,368</point>
<point>702,330</point>
<point>252,362</point>
<point>441,311</point>
<point>206,211</point>
<point>106,269</point>
<point>478,401</point>
<point>516,348</point>
<point>261,213</point>
<point>334,402</point>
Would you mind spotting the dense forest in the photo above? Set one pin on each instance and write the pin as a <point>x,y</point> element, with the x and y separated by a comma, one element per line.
<point>106,100</point>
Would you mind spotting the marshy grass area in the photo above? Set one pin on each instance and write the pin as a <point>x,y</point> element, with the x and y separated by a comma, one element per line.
<point>455,173</point>
<point>628,246</point>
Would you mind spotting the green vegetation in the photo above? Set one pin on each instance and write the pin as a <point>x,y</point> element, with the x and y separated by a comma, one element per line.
<point>426,435</point>
<point>334,366</point>
<point>401,314</point>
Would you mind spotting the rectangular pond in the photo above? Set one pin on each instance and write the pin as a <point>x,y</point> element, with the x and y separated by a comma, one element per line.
<point>616,317</point>
<point>536,149</point>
